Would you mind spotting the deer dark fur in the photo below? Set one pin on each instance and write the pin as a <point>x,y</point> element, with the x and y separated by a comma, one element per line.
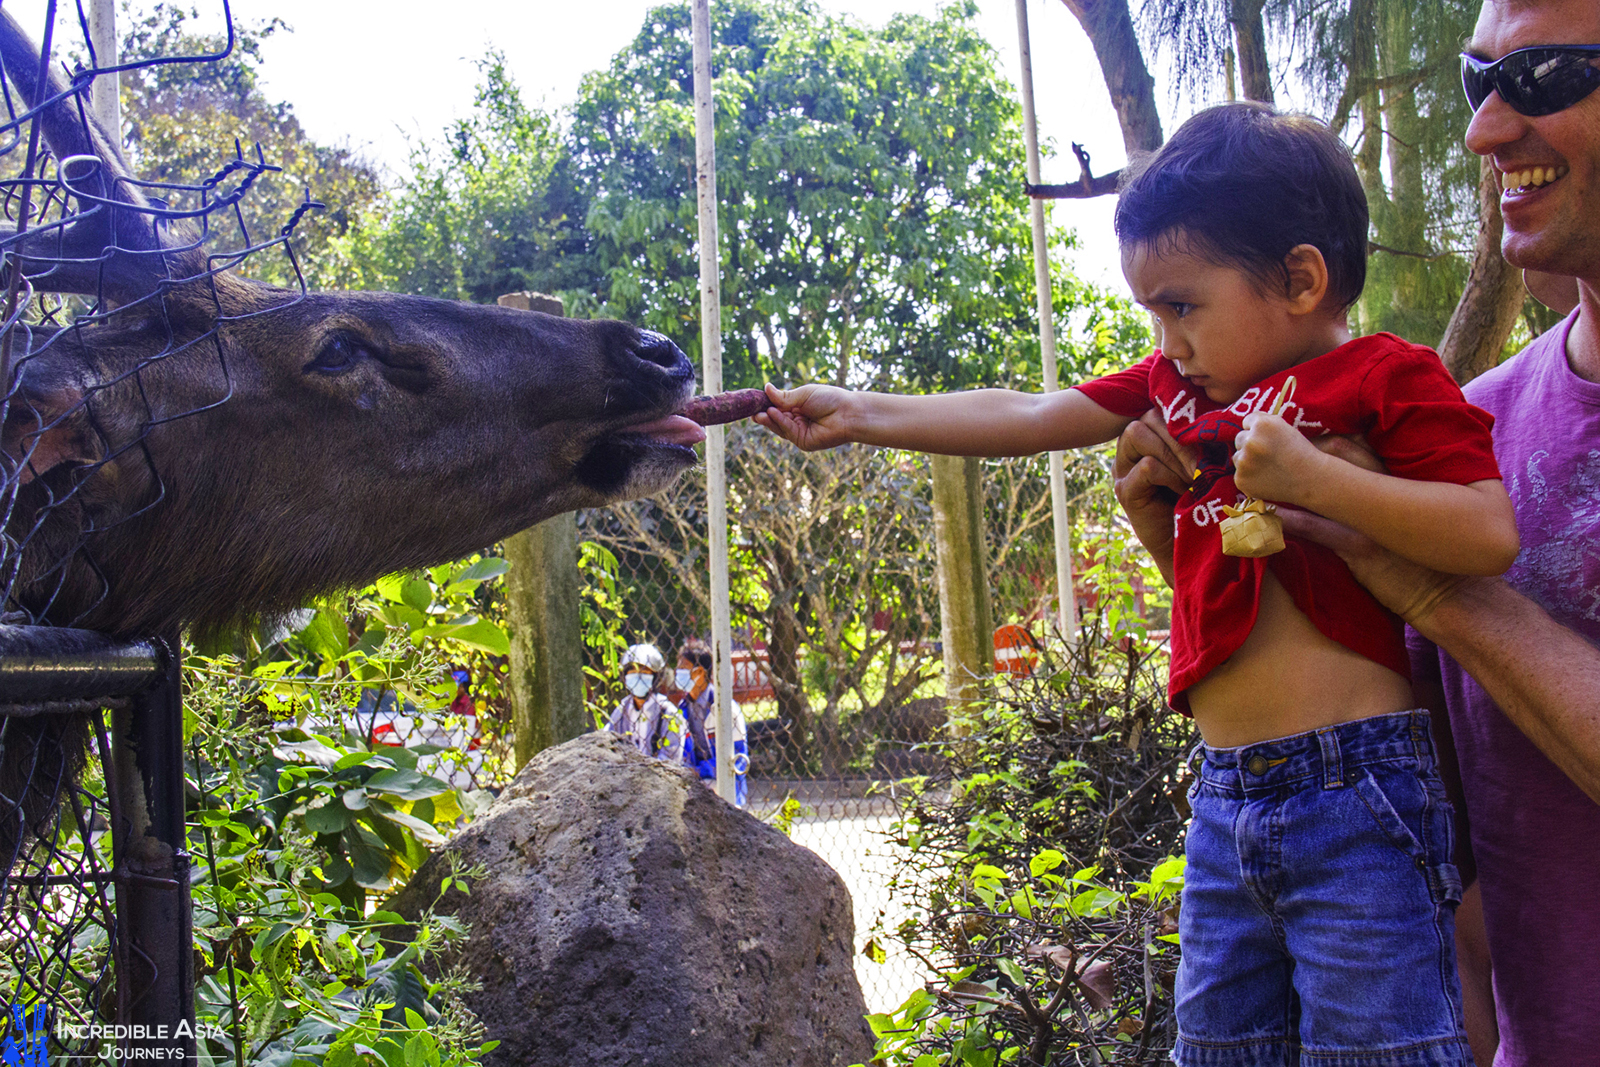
<point>313,443</point>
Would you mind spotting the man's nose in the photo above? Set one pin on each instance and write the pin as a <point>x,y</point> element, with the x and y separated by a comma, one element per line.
<point>1494,125</point>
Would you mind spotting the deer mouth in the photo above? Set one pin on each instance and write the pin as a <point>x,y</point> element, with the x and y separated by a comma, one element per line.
<point>678,430</point>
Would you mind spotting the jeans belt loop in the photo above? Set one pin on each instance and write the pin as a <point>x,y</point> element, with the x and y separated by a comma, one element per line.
<point>1332,761</point>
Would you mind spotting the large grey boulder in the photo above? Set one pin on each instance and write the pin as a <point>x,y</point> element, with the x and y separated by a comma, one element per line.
<point>630,917</point>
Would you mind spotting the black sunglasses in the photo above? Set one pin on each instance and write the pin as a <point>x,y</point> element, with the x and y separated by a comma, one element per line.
<point>1533,81</point>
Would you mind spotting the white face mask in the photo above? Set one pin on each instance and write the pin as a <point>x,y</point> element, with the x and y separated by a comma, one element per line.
<point>683,678</point>
<point>639,684</point>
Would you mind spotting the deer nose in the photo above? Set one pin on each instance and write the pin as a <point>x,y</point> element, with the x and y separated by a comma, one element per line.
<point>657,349</point>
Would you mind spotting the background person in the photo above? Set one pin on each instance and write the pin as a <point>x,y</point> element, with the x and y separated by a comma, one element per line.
<point>699,703</point>
<point>645,716</point>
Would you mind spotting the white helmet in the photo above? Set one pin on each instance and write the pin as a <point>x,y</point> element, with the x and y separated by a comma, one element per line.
<point>646,655</point>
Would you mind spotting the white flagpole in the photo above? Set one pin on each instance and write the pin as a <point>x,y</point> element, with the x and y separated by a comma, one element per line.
<point>104,97</point>
<point>1066,600</point>
<point>711,353</point>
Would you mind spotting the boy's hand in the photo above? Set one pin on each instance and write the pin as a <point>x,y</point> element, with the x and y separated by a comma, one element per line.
<point>812,416</point>
<point>1274,461</point>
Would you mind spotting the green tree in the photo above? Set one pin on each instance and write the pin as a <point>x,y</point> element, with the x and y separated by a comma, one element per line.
<point>182,122</point>
<point>871,211</point>
<point>487,210</point>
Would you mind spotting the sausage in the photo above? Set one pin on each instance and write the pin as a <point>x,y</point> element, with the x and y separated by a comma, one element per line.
<point>726,407</point>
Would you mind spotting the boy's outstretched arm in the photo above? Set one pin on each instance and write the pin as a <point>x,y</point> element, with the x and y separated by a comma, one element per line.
<point>982,422</point>
<point>1458,529</point>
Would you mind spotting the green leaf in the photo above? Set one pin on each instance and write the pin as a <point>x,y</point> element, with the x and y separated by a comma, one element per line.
<point>407,785</point>
<point>424,832</point>
<point>327,816</point>
<point>391,587</point>
<point>1046,860</point>
<point>369,860</point>
<point>1012,971</point>
<point>356,759</point>
<point>417,594</point>
<point>326,635</point>
<point>315,751</point>
<point>480,634</point>
<point>484,569</point>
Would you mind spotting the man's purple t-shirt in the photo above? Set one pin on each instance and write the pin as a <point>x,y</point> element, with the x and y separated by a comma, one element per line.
<point>1535,835</point>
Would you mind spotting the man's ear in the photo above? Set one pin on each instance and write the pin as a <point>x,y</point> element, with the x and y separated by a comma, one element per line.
<point>46,425</point>
<point>1307,274</point>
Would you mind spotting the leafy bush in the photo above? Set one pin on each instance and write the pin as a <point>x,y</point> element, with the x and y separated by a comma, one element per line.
<point>301,822</point>
<point>1042,872</point>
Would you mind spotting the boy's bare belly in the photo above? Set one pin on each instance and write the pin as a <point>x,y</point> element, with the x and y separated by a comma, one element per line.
<point>1288,678</point>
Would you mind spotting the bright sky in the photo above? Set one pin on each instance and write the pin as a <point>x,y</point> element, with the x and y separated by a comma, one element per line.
<point>372,74</point>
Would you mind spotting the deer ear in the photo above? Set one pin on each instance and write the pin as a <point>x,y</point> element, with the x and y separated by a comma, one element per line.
<point>46,425</point>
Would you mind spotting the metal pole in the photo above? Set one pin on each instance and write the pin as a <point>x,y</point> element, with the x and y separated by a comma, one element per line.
<point>711,354</point>
<point>155,935</point>
<point>105,100</point>
<point>1066,601</point>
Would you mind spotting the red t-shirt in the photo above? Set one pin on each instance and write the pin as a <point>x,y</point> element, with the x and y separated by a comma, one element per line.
<point>1395,394</point>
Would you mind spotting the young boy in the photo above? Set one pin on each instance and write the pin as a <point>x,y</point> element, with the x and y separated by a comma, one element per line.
<point>1318,908</point>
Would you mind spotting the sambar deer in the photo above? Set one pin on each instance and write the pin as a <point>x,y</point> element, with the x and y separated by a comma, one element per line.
<point>205,448</point>
<point>287,444</point>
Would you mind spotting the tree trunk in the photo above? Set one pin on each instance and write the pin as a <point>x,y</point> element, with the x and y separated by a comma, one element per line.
<point>1133,91</point>
<point>964,612</point>
<point>1250,41</point>
<point>783,650</point>
<point>1489,305</point>
<point>542,589</point>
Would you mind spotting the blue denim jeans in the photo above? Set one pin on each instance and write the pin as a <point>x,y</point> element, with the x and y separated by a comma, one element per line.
<point>1318,918</point>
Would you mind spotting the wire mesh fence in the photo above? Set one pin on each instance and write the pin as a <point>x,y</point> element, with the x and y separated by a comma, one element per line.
<point>89,251</point>
<point>57,919</point>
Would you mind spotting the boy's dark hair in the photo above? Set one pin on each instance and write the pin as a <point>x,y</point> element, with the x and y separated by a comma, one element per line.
<point>697,654</point>
<point>1246,184</point>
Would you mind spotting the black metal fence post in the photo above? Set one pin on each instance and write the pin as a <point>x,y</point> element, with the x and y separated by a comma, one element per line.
<point>154,916</point>
<point>48,671</point>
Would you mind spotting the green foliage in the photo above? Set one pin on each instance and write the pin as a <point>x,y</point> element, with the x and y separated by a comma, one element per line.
<point>485,211</point>
<point>183,120</point>
<point>869,187</point>
<point>1040,869</point>
<point>305,823</point>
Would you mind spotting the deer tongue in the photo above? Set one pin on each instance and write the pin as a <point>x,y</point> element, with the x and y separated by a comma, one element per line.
<point>671,430</point>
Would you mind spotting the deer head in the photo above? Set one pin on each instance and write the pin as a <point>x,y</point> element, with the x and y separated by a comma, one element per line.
<point>205,447</point>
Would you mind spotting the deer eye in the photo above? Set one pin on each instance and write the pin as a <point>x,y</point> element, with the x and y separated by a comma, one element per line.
<point>339,354</point>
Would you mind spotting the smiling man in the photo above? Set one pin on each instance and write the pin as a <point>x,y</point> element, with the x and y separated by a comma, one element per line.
<point>1515,662</point>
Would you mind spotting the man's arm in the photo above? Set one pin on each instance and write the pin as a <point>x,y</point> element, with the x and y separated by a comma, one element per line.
<point>1461,529</point>
<point>1542,675</point>
<point>981,422</point>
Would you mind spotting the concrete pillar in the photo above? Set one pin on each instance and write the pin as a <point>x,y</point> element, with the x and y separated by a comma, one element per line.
<point>542,590</point>
<point>966,625</point>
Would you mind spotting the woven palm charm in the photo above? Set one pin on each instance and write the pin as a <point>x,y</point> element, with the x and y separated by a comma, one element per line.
<point>1253,529</point>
